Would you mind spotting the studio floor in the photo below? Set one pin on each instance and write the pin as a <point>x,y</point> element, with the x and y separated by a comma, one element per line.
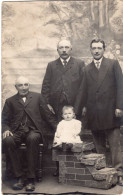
<point>50,185</point>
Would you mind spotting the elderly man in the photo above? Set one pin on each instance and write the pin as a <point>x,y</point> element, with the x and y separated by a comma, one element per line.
<point>102,93</point>
<point>62,80</point>
<point>22,122</point>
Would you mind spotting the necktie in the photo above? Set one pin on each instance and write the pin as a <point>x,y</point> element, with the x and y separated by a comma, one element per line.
<point>98,65</point>
<point>65,63</point>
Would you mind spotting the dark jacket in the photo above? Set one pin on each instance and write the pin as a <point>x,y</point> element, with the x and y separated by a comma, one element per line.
<point>59,80</point>
<point>35,108</point>
<point>101,92</point>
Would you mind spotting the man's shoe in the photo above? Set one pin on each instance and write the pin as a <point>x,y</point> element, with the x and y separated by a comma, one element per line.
<point>30,187</point>
<point>120,181</point>
<point>56,173</point>
<point>19,185</point>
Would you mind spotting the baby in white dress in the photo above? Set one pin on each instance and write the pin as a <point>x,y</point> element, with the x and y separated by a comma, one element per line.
<point>68,129</point>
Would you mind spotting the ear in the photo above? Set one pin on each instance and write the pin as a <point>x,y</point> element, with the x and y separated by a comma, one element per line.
<point>74,116</point>
<point>15,86</point>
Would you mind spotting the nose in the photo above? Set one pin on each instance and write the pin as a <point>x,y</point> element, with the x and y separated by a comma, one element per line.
<point>64,49</point>
<point>96,50</point>
<point>23,86</point>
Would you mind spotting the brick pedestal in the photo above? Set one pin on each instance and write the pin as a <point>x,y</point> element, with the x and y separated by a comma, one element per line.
<point>88,170</point>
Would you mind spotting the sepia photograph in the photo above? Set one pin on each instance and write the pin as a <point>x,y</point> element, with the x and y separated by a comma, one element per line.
<point>62,97</point>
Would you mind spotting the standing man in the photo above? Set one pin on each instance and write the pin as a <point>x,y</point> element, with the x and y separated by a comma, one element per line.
<point>62,80</point>
<point>101,92</point>
<point>22,122</point>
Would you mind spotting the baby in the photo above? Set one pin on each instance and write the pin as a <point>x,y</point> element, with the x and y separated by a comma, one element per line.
<point>68,129</point>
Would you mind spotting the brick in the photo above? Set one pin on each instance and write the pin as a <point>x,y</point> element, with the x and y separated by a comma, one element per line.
<point>69,164</point>
<point>77,147</point>
<point>84,177</point>
<point>88,146</point>
<point>62,180</point>
<point>62,169</point>
<point>100,163</point>
<point>62,158</point>
<point>77,171</point>
<point>98,184</point>
<point>71,158</point>
<point>94,159</point>
<point>70,176</point>
<point>75,182</point>
<point>79,165</point>
<point>105,174</point>
<point>87,171</point>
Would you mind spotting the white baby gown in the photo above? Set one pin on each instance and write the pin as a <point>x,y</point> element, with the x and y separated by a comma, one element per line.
<point>68,132</point>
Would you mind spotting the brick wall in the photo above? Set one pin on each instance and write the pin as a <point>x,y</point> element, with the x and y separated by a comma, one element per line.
<point>84,168</point>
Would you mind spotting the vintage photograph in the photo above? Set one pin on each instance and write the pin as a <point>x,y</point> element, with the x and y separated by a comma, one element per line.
<point>62,97</point>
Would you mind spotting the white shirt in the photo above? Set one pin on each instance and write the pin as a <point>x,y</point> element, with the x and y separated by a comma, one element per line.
<point>24,99</point>
<point>68,132</point>
<point>67,60</point>
<point>95,61</point>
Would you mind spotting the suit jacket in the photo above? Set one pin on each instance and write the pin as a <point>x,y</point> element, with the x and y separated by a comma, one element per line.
<point>101,92</point>
<point>61,80</point>
<point>34,107</point>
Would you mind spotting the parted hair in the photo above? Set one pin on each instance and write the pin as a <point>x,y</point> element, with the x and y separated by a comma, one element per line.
<point>97,41</point>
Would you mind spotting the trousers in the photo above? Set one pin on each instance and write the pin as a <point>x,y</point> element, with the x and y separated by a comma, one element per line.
<point>11,144</point>
<point>113,138</point>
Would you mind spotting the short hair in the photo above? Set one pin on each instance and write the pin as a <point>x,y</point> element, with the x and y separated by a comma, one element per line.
<point>67,107</point>
<point>97,41</point>
<point>20,78</point>
<point>64,40</point>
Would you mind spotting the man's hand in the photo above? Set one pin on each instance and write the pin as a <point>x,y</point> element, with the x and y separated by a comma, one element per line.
<point>84,111</point>
<point>118,112</point>
<point>50,108</point>
<point>7,133</point>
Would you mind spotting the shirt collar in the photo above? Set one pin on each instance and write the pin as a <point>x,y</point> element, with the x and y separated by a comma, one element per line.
<point>100,60</point>
<point>66,60</point>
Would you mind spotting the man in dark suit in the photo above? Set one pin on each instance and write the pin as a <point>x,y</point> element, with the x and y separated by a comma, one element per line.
<point>22,122</point>
<point>62,80</point>
<point>101,92</point>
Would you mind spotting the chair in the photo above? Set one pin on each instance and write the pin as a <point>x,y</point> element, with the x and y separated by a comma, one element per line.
<point>22,150</point>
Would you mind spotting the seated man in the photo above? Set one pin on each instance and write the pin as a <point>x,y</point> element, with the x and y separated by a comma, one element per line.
<point>22,122</point>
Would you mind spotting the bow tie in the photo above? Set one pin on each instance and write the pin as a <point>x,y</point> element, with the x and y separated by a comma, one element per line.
<point>23,96</point>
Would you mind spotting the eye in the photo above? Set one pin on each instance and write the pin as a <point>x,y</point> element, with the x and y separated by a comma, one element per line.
<point>60,47</point>
<point>93,48</point>
<point>19,85</point>
<point>26,84</point>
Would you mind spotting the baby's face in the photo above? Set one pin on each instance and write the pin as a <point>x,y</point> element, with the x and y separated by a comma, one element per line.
<point>68,114</point>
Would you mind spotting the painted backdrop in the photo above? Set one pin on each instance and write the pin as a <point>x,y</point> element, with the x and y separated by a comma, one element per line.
<point>31,30</point>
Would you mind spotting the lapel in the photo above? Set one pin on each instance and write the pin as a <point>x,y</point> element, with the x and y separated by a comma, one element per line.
<point>59,65</point>
<point>69,65</point>
<point>102,71</point>
<point>28,99</point>
<point>93,71</point>
<point>62,68</point>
